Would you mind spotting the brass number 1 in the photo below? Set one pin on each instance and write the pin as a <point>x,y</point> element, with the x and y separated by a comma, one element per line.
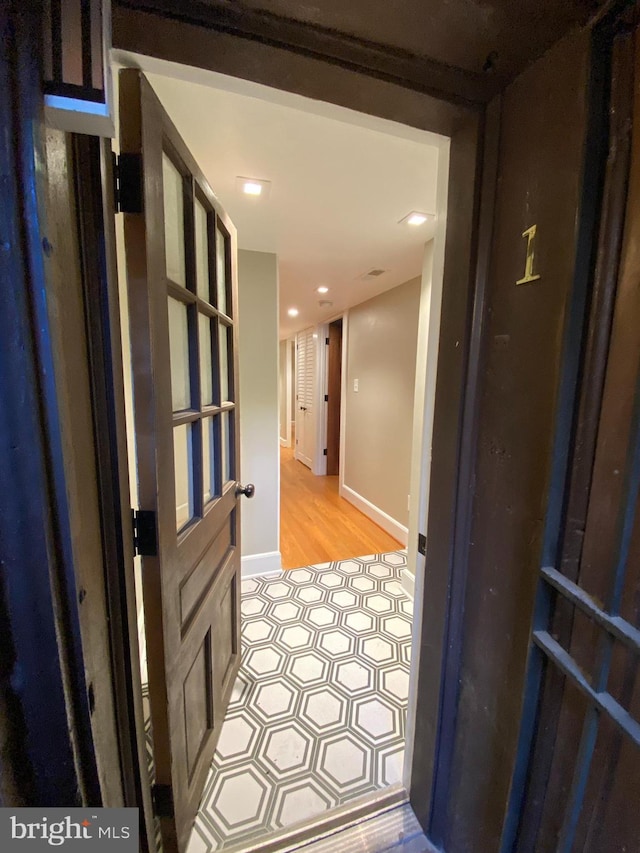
<point>528,277</point>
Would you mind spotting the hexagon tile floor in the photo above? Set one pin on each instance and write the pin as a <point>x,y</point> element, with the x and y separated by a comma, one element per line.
<point>317,716</point>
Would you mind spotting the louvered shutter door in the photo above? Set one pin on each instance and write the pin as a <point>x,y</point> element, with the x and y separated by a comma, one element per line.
<point>305,374</point>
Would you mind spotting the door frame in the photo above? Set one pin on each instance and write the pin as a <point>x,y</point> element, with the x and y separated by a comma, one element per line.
<point>465,127</point>
<point>474,132</point>
<point>323,413</point>
<point>473,140</point>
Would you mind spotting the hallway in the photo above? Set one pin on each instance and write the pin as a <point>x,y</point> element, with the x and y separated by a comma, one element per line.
<point>317,525</point>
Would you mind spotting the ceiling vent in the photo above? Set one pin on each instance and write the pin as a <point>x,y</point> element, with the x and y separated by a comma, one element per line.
<point>325,303</point>
<point>374,273</point>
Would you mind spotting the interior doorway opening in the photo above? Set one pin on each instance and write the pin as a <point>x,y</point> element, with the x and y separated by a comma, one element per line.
<point>384,658</point>
<point>334,396</point>
<point>317,524</point>
<point>360,401</point>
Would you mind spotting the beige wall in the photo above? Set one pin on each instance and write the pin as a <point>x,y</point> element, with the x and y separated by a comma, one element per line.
<point>259,444</point>
<point>378,418</point>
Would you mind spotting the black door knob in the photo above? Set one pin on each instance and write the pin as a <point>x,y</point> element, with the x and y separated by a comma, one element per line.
<point>248,491</point>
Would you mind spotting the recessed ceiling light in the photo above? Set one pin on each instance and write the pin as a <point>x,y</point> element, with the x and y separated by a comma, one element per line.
<point>255,187</point>
<point>323,289</point>
<point>293,312</point>
<point>416,217</point>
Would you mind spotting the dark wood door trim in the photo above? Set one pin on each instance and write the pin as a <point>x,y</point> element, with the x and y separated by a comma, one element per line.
<point>94,180</point>
<point>473,164</point>
<point>305,74</point>
<point>356,54</point>
<point>45,740</point>
<point>444,741</point>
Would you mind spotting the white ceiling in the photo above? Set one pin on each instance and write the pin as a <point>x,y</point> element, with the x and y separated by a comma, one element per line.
<point>340,183</point>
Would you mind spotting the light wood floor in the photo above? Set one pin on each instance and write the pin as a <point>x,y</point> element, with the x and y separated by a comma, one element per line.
<point>317,525</point>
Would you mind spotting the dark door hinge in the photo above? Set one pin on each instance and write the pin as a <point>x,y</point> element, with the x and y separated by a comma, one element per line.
<point>145,534</point>
<point>325,451</point>
<point>127,183</point>
<point>422,544</point>
<point>326,340</point>
<point>162,798</point>
<point>326,398</point>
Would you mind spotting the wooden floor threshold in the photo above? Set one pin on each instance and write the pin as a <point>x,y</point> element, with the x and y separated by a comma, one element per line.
<point>323,833</point>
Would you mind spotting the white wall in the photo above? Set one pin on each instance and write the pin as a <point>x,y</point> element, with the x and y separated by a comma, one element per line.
<point>424,399</point>
<point>414,580</point>
<point>259,427</point>
<point>378,417</point>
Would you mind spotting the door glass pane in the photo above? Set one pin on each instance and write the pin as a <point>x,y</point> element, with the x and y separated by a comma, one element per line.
<point>223,332</point>
<point>221,271</point>
<point>226,447</point>
<point>208,459</point>
<point>179,354</point>
<point>202,252</point>
<point>206,370</point>
<point>173,222</point>
<point>183,467</point>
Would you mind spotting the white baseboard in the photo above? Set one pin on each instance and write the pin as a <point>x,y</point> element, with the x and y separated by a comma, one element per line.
<point>284,442</point>
<point>304,459</point>
<point>261,564</point>
<point>393,527</point>
<point>408,581</point>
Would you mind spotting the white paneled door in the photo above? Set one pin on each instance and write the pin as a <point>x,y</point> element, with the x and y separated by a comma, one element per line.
<point>306,347</point>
